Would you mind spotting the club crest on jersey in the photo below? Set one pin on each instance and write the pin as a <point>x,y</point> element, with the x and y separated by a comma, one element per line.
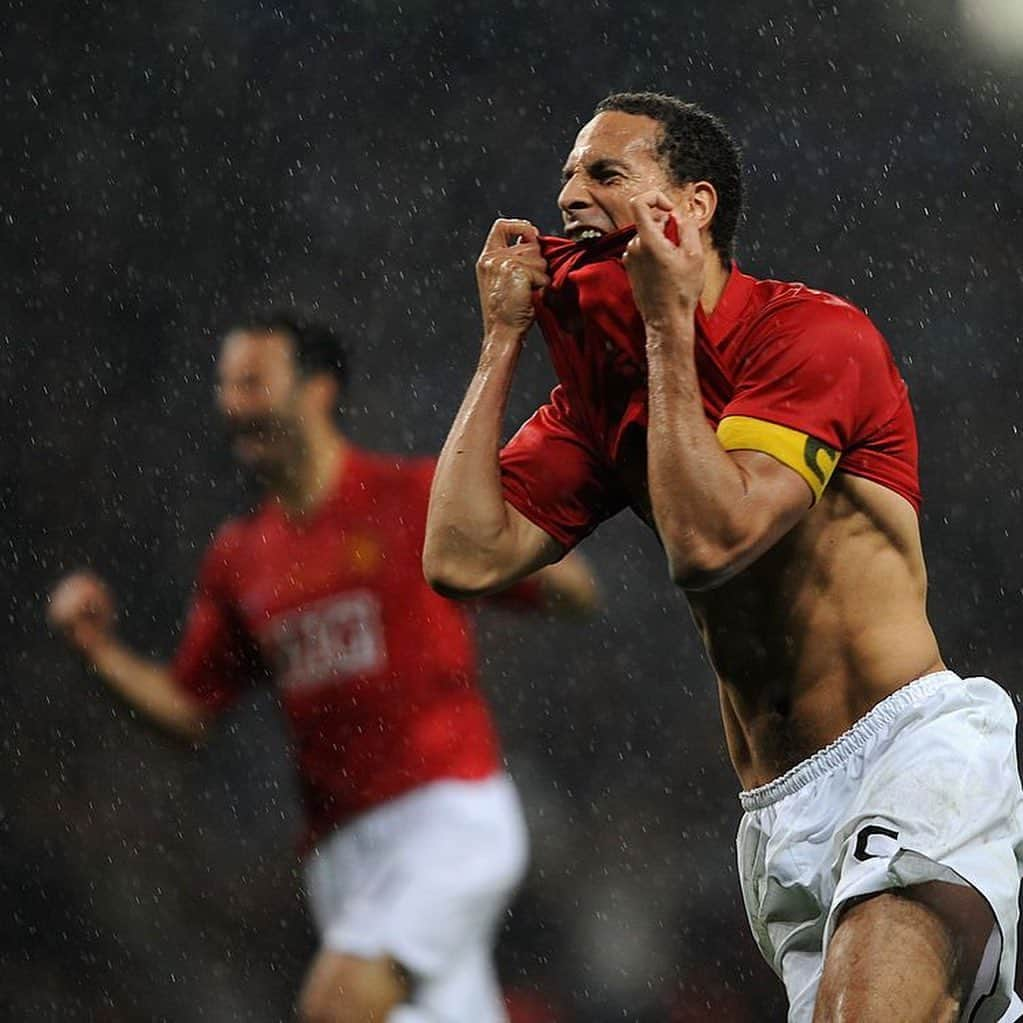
<point>330,640</point>
<point>363,553</point>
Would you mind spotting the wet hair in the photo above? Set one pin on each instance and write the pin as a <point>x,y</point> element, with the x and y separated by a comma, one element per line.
<point>316,347</point>
<point>695,146</point>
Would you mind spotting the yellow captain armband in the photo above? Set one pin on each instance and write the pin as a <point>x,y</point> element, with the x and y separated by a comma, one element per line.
<point>814,460</point>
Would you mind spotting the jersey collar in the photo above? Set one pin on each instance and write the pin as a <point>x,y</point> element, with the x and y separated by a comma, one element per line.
<point>564,256</point>
<point>730,306</point>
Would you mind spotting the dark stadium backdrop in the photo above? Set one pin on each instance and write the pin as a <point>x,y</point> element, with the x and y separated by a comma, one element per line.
<point>166,168</point>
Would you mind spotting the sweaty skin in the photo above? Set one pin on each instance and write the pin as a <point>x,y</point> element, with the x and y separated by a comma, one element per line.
<point>810,616</point>
<point>819,629</point>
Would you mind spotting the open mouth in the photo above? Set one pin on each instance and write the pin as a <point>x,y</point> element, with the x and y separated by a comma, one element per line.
<point>585,234</point>
<point>257,428</point>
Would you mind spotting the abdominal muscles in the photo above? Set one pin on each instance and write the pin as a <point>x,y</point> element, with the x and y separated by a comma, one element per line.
<point>820,629</point>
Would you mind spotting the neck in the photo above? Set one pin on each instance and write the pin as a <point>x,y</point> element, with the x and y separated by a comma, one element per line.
<point>312,474</point>
<point>715,279</point>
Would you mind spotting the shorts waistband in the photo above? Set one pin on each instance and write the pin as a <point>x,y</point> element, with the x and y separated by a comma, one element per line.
<point>832,756</point>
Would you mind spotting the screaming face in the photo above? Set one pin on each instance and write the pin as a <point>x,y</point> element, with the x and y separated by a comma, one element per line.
<point>614,159</point>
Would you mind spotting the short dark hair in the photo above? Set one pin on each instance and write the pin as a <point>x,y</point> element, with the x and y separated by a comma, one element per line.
<point>317,348</point>
<point>695,146</point>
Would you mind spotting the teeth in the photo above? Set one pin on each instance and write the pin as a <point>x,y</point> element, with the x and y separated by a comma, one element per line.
<point>588,235</point>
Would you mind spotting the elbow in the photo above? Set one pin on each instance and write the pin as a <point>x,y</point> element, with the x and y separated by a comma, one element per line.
<point>698,567</point>
<point>697,580</point>
<point>705,558</point>
<point>451,584</point>
<point>453,577</point>
<point>698,576</point>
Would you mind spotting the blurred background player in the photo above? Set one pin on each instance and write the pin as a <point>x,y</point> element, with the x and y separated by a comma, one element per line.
<point>414,835</point>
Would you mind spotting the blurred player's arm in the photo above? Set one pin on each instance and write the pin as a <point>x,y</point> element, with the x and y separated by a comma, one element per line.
<point>569,588</point>
<point>716,511</point>
<point>477,543</point>
<point>81,609</point>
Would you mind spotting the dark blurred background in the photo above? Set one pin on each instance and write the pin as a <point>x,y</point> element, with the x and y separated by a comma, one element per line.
<point>166,168</point>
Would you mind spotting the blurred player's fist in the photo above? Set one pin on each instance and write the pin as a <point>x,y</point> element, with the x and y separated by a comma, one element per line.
<point>82,610</point>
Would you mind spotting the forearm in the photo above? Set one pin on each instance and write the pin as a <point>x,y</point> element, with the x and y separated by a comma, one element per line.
<point>700,496</point>
<point>470,533</point>
<point>149,687</point>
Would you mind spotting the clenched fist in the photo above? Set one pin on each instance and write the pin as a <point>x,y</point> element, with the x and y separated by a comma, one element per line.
<point>666,278</point>
<point>509,269</point>
<point>82,610</point>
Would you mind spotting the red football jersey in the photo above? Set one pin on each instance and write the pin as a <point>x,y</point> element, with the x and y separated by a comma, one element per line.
<point>798,373</point>
<point>376,672</point>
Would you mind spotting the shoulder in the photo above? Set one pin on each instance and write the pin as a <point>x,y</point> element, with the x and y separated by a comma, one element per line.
<point>232,536</point>
<point>791,313</point>
<point>793,324</point>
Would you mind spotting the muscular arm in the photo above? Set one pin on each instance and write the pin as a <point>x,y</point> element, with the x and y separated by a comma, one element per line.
<point>716,512</point>
<point>81,608</point>
<point>476,542</point>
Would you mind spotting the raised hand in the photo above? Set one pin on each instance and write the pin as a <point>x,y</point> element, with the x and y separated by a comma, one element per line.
<point>509,269</point>
<point>667,279</point>
<point>82,610</point>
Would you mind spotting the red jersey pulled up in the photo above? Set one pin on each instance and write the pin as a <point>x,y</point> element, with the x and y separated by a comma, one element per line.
<point>777,352</point>
<point>376,672</point>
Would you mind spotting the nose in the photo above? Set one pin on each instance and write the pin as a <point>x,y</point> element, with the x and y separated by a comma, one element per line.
<point>574,196</point>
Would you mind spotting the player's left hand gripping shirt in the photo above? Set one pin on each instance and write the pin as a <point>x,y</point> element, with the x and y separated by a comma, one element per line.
<point>783,369</point>
<point>376,672</point>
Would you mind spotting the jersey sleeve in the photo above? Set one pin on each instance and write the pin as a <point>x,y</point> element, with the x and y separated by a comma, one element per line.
<point>553,474</point>
<point>817,380</point>
<point>215,660</point>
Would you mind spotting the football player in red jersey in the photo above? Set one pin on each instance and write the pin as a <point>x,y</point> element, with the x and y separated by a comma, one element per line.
<point>415,839</point>
<point>763,430</point>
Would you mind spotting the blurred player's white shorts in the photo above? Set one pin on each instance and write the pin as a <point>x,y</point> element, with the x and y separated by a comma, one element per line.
<point>924,787</point>
<point>426,878</point>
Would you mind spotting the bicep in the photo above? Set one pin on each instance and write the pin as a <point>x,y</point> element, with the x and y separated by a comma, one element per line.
<point>770,500</point>
<point>775,494</point>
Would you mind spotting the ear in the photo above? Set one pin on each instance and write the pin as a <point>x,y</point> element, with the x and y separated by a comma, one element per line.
<point>702,202</point>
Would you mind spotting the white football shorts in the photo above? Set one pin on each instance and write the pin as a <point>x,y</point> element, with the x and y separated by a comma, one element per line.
<point>925,787</point>
<point>425,879</point>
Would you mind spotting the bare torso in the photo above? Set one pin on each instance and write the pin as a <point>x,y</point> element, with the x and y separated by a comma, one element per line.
<point>820,629</point>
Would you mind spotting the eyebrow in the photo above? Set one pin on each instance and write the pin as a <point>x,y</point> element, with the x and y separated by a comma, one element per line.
<point>599,166</point>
